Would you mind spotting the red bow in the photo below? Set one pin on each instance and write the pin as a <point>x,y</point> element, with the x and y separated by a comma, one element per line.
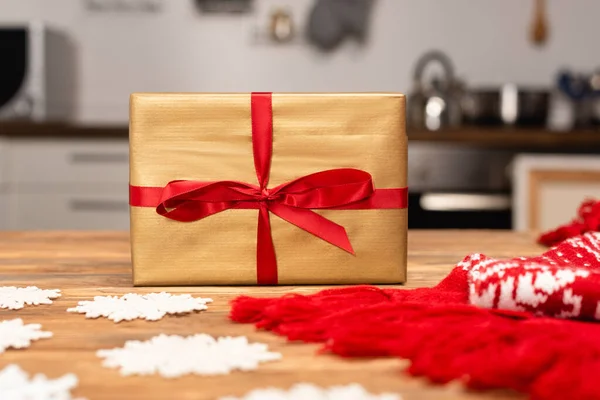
<point>344,188</point>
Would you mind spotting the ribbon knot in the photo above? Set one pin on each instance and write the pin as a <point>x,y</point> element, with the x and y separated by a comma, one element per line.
<point>266,195</point>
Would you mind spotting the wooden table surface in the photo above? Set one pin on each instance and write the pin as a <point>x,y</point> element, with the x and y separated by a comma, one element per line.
<point>85,264</point>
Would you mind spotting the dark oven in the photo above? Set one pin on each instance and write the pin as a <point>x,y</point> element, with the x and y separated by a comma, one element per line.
<point>458,187</point>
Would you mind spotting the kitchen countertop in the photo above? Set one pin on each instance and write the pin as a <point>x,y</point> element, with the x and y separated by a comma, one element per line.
<point>85,264</point>
<point>526,139</point>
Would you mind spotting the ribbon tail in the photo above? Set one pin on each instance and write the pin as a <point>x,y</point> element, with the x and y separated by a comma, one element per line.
<point>266,273</point>
<point>314,223</point>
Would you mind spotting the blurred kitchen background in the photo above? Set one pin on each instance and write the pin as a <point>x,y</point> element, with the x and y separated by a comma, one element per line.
<point>503,118</point>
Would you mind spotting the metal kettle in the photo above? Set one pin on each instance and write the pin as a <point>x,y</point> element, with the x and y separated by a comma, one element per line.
<point>436,104</point>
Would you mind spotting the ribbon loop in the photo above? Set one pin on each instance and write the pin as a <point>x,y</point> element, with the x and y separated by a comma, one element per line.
<point>327,189</point>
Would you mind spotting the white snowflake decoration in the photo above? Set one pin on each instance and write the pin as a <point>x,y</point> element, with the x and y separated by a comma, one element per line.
<point>172,356</point>
<point>16,385</point>
<point>16,335</point>
<point>151,307</point>
<point>15,298</point>
<point>305,391</point>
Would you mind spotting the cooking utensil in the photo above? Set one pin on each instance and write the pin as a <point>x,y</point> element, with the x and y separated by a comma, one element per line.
<point>434,105</point>
<point>331,22</point>
<point>507,105</point>
<point>282,26</point>
<point>539,28</point>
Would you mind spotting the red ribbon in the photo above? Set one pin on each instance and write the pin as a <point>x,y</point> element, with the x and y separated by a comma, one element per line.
<point>339,189</point>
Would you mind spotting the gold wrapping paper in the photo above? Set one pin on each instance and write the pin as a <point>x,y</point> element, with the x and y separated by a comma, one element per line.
<point>208,137</point>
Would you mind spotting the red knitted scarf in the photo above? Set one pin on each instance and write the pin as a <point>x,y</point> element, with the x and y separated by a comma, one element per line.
<point>525,324</point>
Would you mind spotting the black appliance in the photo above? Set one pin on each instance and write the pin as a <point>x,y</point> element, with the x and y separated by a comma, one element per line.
<point>37,73</point>
<point>457,187</point>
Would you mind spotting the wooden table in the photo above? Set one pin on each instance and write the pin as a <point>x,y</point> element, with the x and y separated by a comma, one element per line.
<point>86,264</point>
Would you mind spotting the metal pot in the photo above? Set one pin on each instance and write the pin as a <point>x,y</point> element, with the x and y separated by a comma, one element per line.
<point>507,105</point>
<point>434,104</point>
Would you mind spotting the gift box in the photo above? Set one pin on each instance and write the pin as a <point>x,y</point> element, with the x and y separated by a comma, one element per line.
<point>262,188</point>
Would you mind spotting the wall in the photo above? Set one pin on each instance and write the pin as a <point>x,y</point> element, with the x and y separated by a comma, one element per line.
<point>180,50</point>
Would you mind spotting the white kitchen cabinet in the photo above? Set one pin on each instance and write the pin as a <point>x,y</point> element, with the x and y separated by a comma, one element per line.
<point>64,210</point>
<point>3,162</point>
<point>3,211</point>
<point>58,184</point>
<point>67,161</point>
<point>3,185</point>
<point>548,189</point>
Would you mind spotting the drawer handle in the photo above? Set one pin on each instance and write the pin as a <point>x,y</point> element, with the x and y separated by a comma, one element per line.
<point>87,158</point>
<point>99,205</point>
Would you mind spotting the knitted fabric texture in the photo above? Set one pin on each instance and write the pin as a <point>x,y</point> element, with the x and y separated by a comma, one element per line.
<point>526,324</point>
<point>587,220</point>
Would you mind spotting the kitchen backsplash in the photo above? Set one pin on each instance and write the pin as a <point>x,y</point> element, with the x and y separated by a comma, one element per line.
<point>173,47</point>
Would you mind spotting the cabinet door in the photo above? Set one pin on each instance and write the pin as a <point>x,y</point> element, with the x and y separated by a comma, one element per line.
<point>68,161</point>
<point>4,212</point>
<point>3,162</point>
<point>549,189</point>
<point>4,223</point>
<point>76,210</point>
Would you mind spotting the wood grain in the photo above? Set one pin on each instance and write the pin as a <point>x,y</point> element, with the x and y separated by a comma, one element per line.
<point>85,264</point>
